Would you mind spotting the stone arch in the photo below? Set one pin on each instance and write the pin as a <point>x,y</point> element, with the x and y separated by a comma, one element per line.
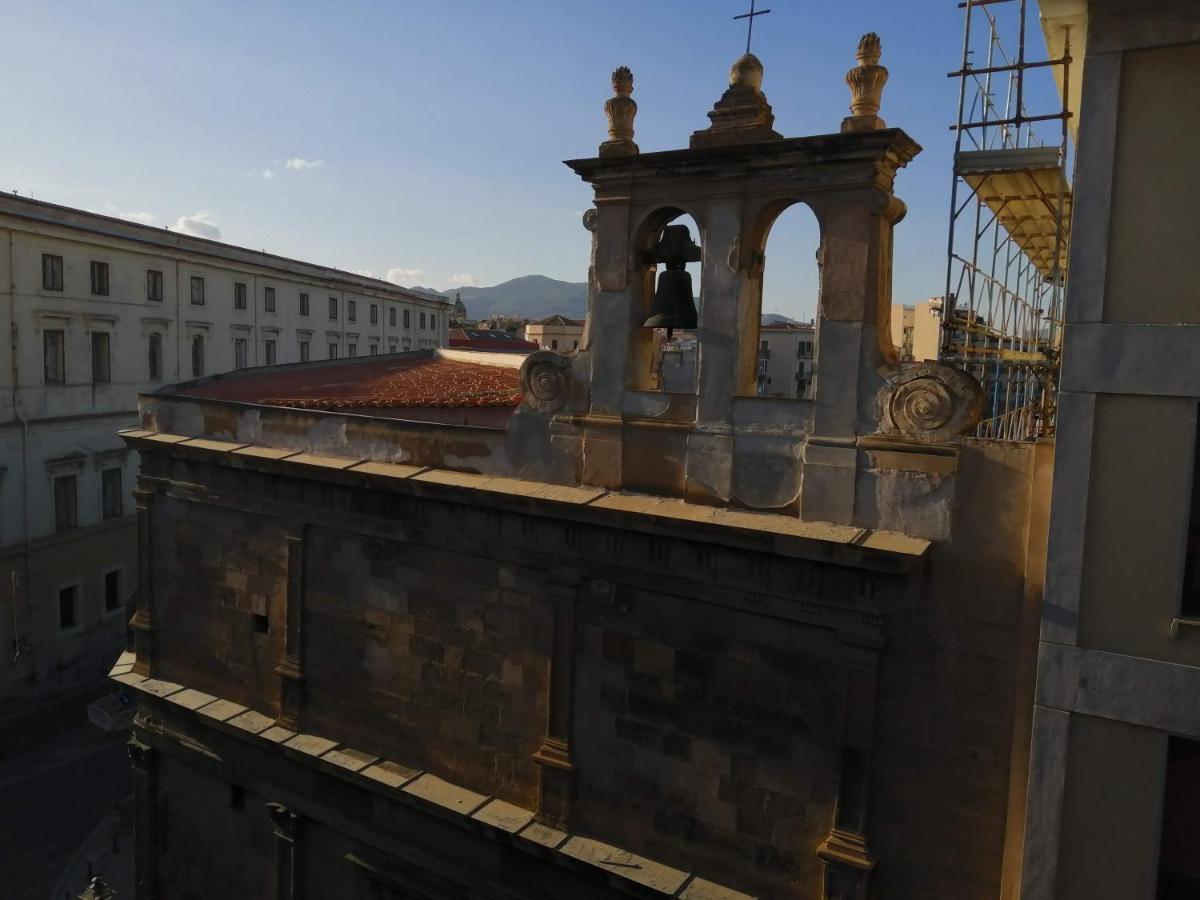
<point>793,227</point>
<point>647,345</point>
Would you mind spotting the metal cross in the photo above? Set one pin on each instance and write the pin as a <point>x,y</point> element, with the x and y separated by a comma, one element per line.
<point>749,17</point>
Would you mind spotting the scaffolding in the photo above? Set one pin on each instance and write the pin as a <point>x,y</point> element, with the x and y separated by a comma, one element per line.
<point>1010,222</point>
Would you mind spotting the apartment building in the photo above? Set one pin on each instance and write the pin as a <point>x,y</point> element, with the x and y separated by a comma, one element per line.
<point>785,360</point>
<point>97,310</point>
<point>555,333</point>
<point>917,330</point>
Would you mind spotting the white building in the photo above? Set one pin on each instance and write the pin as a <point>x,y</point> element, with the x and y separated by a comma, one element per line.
<point>555,333</point>
<point>98,309</point>
<point>785,360</point>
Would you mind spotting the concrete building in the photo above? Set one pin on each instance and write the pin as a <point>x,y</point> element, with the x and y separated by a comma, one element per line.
<point>1114,796</point>
<point>98,309</point>
<point>555,333</point>
<point>917,330</point>
<point>785,360</point>
<point>625,642</point>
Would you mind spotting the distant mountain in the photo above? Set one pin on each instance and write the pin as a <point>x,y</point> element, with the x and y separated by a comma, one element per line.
<point>529,297</point>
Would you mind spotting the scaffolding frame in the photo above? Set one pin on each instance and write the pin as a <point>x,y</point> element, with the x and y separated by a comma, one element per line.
<point>1010,214</point>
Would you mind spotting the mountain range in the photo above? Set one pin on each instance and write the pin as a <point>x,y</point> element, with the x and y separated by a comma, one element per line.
<point>528,297</point>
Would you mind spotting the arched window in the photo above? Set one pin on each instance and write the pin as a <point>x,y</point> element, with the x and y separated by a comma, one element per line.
<point>154,357</point>
<point>666,351</point>
<point>785,350</point>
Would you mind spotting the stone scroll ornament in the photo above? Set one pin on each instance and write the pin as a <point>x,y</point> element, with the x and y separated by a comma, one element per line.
<point>546,382</point>
<point>931,402</point>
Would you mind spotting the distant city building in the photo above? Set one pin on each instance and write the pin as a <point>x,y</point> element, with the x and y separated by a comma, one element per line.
<point>785,360</point>
<point>917,330</point>
<point>99,309</point>
<point>489,339</point>
<point>555,333</point>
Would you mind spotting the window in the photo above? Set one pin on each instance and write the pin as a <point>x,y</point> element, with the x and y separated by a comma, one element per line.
<point>333,307</point>
<point>351,310</point>
<point>374,313</point>
<point>154,357</point>
<point>101,370</point>
<point>269,299</point>
<point>100,278</point>
<point>352,349</point>
<point>65,507</point>
<point>422,321</point>
<point>239,295</point>
<point>304,351</point>
<point>392,316</point>
<point>154,285</point>
<point>112,591</point>
<point>197,355</point>
<point>52,272</point>
<point>407,319</point>
<point>269,352</point>
<point>1190,605</point>
<point>68,608</point>
<point>239,353</point>
<point>304,304</point>
<point>333,351</point>
<point>553,344</point>
<point>197,290</point>
<point>374,350</point>
<point>54,358</point>
<point>111,496</point>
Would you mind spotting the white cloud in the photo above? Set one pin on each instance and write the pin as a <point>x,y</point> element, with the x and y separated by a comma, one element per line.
<point>462,280</point>
<point>268,174</point>
<point>299,163</point>
<point>405,277</point>
<point>199,224</point>
<point>144,218</point>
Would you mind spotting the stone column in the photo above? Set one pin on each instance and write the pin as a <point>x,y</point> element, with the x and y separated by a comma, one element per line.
<point>847,858</point>
<point>142,623</point>
<point>287,828</point>
<point>557,778</point>
<point>145,824</point>
<point>291,667</point>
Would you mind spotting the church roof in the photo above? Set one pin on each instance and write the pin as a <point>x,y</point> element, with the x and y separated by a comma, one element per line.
<point>400,381</point>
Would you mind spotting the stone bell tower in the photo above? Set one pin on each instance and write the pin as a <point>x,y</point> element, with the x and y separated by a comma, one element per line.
<point>721,444</point>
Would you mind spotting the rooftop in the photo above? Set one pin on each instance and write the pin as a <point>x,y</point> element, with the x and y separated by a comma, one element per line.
<point>558,320</point>
<point>429,379</point>
<point>489,339</point>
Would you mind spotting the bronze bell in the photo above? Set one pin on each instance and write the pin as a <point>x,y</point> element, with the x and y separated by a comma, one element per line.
<point>673,305</point>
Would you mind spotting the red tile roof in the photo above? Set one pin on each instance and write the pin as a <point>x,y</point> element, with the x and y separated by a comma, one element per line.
<point>396,382</point>
<point>485,339</point>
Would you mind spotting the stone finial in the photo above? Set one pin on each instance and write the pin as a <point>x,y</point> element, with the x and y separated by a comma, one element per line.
<point>742,115</point>
<point>620,109</point>
<point>866,81</point>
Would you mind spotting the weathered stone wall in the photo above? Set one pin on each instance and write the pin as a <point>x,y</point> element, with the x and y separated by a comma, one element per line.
<point>437,658</point>
<point>708,735</point>
<point>215,571</point>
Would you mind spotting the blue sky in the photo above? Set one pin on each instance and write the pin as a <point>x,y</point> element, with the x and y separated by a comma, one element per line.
<point>427,138</point>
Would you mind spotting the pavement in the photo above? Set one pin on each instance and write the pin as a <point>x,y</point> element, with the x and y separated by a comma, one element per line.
<point>64,787</point>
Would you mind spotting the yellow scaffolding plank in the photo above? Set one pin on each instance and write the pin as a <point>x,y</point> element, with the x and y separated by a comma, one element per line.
<point>1023,188</point>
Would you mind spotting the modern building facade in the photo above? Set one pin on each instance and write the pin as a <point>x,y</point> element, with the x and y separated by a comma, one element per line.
<point>555,333</point>
<point>917,330</point>
<point>785,360</point>
<point>1114,796</point>
<point>98,309</point>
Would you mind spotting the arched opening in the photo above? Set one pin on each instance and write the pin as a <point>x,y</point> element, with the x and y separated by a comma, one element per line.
<point>664,351</point>
<point>785,346</point>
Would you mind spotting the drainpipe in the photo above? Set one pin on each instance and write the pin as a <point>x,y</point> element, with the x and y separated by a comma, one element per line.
<point>12,328</point>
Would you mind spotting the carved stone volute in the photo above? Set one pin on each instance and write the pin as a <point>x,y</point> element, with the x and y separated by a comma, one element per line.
<point>866,81</point>
<point>546,381</point>
<point>620,109</point>
<point>930,402</point>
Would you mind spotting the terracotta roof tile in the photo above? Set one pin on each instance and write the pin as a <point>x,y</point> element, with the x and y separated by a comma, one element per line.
<point>425,381</point>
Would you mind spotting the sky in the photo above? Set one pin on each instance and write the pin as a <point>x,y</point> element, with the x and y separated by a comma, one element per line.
<point>423,141</point>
